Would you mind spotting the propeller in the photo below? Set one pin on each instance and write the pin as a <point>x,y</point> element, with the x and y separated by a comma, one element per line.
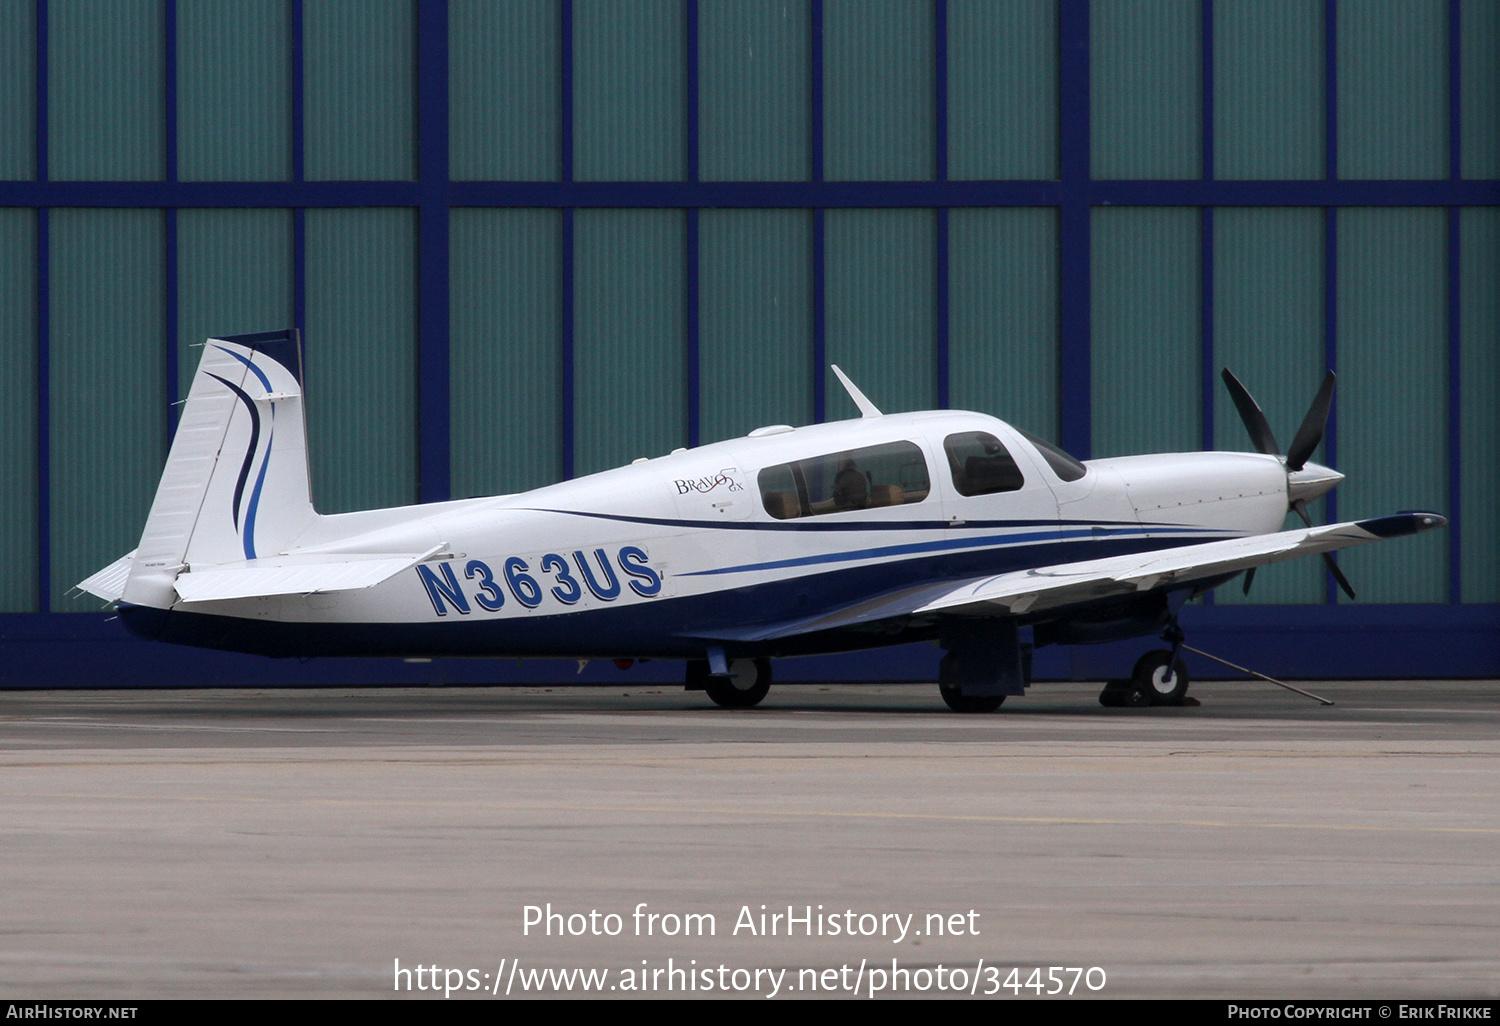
<point>1307,439</point>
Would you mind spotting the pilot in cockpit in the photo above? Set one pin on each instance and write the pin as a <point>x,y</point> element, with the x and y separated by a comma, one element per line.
<point>850,488</point>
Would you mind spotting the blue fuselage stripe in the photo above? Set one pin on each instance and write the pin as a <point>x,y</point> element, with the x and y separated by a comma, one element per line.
<point>823,524</point>
<point>945,545</point>
<point>666,627</point>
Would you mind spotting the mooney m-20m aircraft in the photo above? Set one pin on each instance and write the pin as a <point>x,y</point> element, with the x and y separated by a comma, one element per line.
<point>944,526</point>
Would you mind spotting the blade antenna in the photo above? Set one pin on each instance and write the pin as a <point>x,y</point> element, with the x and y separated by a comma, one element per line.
<point>866,408</point>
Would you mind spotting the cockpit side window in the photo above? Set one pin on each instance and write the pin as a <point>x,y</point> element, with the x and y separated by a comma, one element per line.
<point>1062,464</point>
<point>981,465</point>
<point>893,474</point>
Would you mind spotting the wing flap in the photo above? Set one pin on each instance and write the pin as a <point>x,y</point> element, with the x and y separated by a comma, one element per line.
<point>288,576</point>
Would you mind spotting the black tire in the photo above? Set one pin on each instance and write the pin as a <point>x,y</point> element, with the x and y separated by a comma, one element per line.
<point>748,682</point>
<point>1150,680</point>
<point>956,700</point>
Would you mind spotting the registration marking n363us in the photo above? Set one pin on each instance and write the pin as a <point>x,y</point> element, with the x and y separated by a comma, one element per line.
<point>562,581</point>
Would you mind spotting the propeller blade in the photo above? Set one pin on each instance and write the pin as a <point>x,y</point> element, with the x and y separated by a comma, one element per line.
<point>1328,560</point>
<point>1338,575</point>
<point>1313,425</point>
<point>1251,414</point>
<point>1249,576</point>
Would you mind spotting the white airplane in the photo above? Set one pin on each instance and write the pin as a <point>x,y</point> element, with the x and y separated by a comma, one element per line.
<point>945,526</point>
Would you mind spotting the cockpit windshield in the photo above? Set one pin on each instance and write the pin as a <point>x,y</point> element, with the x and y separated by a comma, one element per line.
<point>1063,465</point>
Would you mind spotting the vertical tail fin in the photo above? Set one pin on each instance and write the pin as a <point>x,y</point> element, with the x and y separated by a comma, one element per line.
<point>236,483</point>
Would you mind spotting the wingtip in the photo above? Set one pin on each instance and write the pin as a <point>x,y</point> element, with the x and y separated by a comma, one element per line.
<point>1406,522</point>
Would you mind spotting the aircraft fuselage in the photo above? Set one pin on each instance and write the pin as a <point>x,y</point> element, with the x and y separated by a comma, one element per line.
<point>656,558</point>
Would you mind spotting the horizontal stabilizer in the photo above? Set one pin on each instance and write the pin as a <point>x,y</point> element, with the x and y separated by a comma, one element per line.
<point>290,575</point>
<point>109,583</point>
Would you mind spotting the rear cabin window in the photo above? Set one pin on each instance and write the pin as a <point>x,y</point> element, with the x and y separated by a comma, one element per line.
<point>981,465</point>
<point>894,474</point>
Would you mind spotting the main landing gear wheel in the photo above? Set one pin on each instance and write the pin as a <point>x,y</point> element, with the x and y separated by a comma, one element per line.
<point>748,682</point>
<point>1150,678</point>
<point>960,702</point>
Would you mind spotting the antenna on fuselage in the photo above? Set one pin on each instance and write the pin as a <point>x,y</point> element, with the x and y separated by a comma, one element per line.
<point>866,408</point>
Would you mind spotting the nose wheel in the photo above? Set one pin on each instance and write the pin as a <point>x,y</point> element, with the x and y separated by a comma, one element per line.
<point>1159,677</point>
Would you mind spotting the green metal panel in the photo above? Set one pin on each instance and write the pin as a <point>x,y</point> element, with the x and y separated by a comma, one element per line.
<point>108,420</point>
<point>234,90</point>
<point>755,320</point>
<point>1268,89</point>
<point>1479,69</point>
<point>754,84</point>
<point>234,276</point>
<point>630,346</point>
<point>1479,324</point>
<point>18,479</point>
<point>361,357</point>
<point>505,309</point>
<point>881,315</point>
<point>1146,88</point>
<point>879,112</point>
<point>1146,330</point>
<point>1003,304</point>
<point>18,89</point>
<point>1268,329</point>
<point>1393,393</point>
<point>106,90</point>
<point>629,90</point>
<point>359,81</point>
<point>1393,89</point>
<point>1002,89</point>
<point>505,82</point>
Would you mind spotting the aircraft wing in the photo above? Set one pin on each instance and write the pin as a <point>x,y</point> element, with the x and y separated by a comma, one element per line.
<point>1069,583</point>
<point>1064,584</point>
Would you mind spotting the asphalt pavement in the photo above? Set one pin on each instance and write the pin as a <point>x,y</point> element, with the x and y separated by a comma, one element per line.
<point>839,839</point>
